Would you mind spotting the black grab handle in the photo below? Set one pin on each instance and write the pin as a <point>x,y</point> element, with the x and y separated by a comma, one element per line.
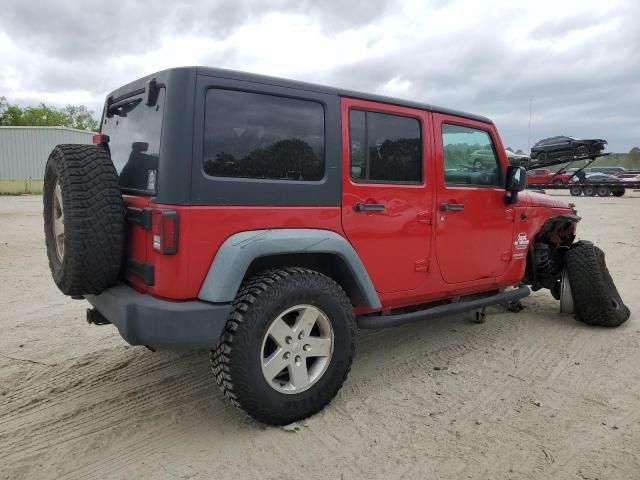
<point>451,207</point>
<point>368,207</point>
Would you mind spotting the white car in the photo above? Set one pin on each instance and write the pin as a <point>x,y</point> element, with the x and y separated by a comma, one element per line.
<point>629,177</point>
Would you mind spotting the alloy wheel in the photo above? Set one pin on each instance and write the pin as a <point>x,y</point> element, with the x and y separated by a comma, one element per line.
<point>58,220</point>
<point>297,349</point>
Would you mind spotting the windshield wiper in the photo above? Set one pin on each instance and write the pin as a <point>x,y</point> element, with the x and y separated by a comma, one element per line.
<point>123,107</point>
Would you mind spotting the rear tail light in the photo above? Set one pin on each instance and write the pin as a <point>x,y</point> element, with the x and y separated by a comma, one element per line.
<point>165,229</point>
<point>100,139</point>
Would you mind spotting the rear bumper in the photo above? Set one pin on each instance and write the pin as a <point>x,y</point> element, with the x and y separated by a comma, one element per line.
<point>145,320</point>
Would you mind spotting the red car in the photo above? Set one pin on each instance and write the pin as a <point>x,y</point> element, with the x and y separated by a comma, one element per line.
<point>541,176</point>
<point>266,219</point>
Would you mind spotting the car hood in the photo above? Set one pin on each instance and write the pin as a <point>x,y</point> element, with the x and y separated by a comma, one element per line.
<point>535,199</point>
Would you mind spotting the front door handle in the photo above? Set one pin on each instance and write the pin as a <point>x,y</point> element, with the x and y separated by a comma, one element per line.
<point>368,207</point>
<point>451,207</point>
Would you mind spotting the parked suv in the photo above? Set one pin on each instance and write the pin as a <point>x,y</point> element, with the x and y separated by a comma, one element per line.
<point>266,219</point>
<point>554,150</point>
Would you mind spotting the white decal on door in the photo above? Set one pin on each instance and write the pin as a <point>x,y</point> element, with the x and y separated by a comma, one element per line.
<point>522,242</point>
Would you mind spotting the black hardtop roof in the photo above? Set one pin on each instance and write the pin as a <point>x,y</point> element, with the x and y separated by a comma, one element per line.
<point>282,82</point>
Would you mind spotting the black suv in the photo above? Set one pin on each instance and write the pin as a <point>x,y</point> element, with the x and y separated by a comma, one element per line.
<point>550,151</point>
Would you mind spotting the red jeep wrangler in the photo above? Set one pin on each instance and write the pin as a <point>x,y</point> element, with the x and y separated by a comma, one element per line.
<point>267,219</point>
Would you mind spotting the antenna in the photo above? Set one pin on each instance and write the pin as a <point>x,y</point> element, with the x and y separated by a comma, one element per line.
<point>529,139</point>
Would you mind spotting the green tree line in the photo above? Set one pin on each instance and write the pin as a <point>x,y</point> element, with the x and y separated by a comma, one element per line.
<point>72,116</point>
<point>630,161</point>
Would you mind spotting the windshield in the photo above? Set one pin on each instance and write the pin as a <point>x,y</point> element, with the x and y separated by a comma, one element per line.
<point>135,131</point>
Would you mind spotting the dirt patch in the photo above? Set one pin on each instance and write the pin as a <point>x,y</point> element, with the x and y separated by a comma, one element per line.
<point>526,395</point>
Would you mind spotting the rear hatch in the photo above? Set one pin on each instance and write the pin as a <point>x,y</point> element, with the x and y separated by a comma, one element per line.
<point>133,124</point>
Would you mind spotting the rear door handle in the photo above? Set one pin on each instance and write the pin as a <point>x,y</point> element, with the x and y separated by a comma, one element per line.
<point>368,207</point>
<point>451,207</point>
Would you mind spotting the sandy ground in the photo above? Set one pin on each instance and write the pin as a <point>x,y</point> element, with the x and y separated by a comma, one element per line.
<point>527,395</point>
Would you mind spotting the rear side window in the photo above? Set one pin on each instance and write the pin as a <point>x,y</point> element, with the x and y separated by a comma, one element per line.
<point>469,157</point>
<point>135,130</point>
<point>251,135</point>
<point>384,148</point>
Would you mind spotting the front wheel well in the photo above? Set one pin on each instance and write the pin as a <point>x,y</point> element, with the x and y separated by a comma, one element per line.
<point>329,264</point>
<point>558,231</point>
<point>545,257</point>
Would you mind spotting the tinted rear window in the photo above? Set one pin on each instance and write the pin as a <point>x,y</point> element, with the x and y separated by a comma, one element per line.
<point>384,148</point>
<point>134,133</point>
<point>251,135</point>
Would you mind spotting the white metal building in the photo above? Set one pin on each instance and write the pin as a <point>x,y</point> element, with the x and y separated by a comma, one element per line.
<point>24,152</point>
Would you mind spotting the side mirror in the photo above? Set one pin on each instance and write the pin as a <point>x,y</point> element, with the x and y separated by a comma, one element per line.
<point>516,182</point>
<point>516,179</point>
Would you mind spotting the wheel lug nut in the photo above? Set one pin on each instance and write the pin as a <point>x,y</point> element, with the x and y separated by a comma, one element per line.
<point>301,335</point>
<point>306,348</point>
<point>287,355</point>
<point>298,359</point>
<point>288,340</point>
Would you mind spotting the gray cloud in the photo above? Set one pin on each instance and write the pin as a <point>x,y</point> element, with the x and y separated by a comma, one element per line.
<point>560,27</point>
<point>592,90</point>
<point>582,70</point>
<point>84,29</point>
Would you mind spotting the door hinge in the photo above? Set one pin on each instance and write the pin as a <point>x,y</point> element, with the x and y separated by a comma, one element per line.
<point>139,216</point>
<point>425,217</point>
<point>509,213</point>
<point>422,266</point>
<point>144,271</point>
<point>506,256</point>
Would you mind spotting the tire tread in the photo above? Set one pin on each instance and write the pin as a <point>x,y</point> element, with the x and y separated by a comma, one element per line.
<point>595,296</point>
<point>265,286</point>
<point>94,219</point>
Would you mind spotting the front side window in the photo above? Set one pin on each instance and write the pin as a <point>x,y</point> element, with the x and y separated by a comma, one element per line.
<point>384,148</point>
<point>251,135</point>
<point>469,157</point>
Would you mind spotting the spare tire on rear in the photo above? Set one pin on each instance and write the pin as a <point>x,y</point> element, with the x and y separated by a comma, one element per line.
<point>83,219</point>
<point>595,297</point>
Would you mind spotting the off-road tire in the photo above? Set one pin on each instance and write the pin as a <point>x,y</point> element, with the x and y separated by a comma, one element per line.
<point>93,219</point>
<point>236,361</point>
<point>595,297</point>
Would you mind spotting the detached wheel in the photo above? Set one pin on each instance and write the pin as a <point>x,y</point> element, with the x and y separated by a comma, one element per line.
<point>83,219</point>
<point>287,347</point>
<point>604,191</point>
<point>589,191</point>
<point>596,300</point>
<point>575,191</point>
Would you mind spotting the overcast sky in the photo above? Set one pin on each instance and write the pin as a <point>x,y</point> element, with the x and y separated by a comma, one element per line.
<point>578,60</point>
